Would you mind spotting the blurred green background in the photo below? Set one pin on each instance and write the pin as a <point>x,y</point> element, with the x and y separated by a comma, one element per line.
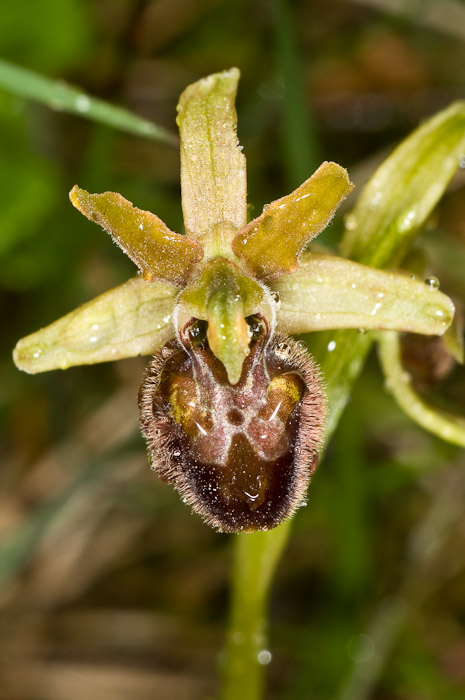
<point>109,587</point>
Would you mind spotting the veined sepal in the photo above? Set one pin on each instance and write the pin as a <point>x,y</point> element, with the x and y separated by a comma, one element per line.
<point>327,292</point>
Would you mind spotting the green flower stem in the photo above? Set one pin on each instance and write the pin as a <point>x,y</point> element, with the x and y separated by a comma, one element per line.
<point>60,96</point>
<point>256,555</point>
<point>255,558</point>
<point>446,426</point>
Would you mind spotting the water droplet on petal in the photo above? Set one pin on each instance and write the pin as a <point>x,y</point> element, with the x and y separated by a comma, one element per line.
<point>275,297</point>
<point>432,282</point>
<point>407,222</point>
<point>283,350</point>
<point>375,200</point>
<point>302,345</point>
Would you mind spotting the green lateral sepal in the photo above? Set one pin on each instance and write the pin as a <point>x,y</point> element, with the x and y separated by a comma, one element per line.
<point>132,319</point>
<point>328,292</point>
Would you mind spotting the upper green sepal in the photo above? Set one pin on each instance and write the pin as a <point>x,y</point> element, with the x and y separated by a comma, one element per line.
<point>272,243</point>
<point>159,253</point>
<point>213,167</point>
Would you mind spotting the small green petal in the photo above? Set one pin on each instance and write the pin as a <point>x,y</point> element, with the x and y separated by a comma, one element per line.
<point>272,243</point>
<point>132,319</point>
<point>330,292</point>
<point>213,169</point>
<point>228,332</point>
<point>224,297</point>
<point>401,194</point>
<point>445,425</point>
<point>159,253</point>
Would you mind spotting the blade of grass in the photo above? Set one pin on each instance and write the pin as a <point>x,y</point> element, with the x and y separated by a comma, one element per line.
<point>60,96</point>
<point>300,141</point>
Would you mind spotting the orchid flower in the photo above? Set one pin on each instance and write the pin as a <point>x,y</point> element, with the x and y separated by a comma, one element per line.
<point>233,409</point>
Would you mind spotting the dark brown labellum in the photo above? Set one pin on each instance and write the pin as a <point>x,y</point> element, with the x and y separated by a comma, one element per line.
<point>241,455</point>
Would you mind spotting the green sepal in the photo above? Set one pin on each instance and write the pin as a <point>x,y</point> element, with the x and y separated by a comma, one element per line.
<point>328,292</point>
<point>213,168</point>
<point>159,253</point>
<point>398,382</point>
<point>132,319</point>
<point>401,194</point>
<point>272,243</point>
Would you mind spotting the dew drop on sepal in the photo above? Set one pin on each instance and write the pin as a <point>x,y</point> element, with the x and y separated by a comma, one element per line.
<point>241,455</point>
<point>432,282</point>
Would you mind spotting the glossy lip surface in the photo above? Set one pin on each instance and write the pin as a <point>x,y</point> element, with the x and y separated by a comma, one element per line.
<point>241,455</point>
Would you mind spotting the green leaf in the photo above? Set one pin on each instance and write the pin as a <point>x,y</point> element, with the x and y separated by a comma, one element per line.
<point>58,95</point>
<point>330,292</point>
<point>158,252</point>
<point>401,194</point>
<point>132,319</point>
<point>272,243</point>
<point>213,169</point>
<point>441,423</point>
